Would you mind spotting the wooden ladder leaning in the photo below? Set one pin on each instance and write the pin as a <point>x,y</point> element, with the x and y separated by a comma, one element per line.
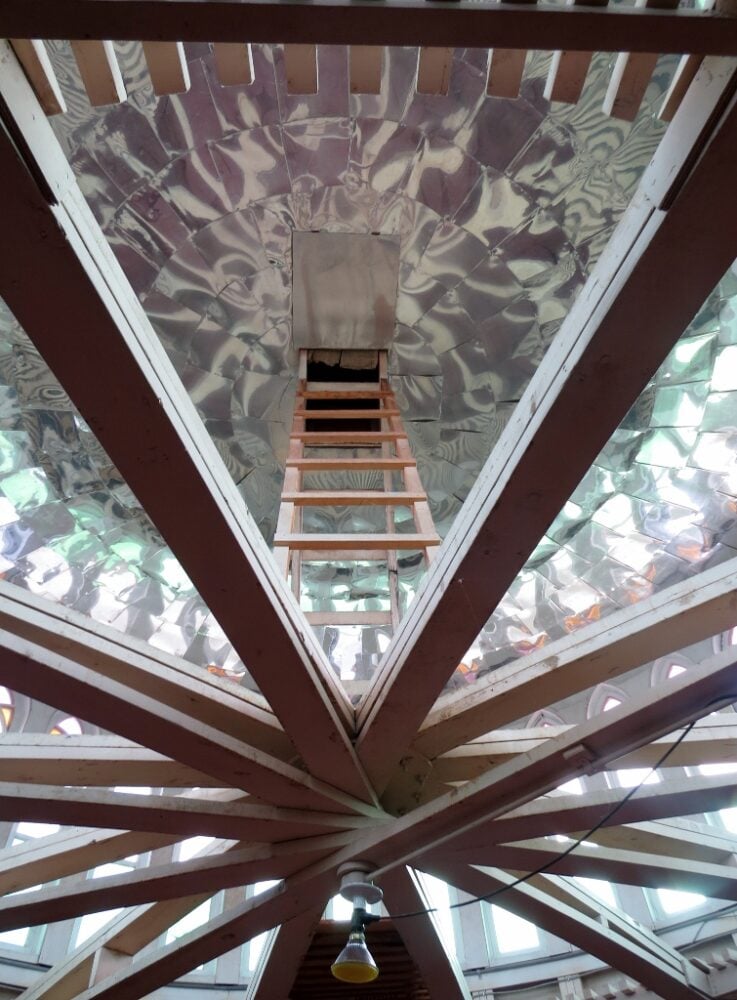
<point>292,546</point>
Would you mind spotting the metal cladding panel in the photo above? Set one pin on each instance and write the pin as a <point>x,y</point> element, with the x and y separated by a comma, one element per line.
<point>344,290</point>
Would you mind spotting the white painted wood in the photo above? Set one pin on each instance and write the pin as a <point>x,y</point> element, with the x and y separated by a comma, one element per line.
<point>656,972</point>
<point>113,705</point>
<point>281,956</point>
<point>672,619</point>
<point>580,392</point>
<point>440,971</point>
<point>100,72</point>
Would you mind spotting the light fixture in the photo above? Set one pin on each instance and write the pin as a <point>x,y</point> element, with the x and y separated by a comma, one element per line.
<point>355,964</point>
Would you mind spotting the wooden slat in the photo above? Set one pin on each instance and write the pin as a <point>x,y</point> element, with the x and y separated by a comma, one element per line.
<point>377,414</point>
<point>282,955</point>
<point>568,69</point>
<point>233,64</point>
<point>167,66</point>
<point>343,555</point>
<point>351,498</point>
<point>365,68</point>
<point>683,77</point>
<point>349,617</point>
<point>337,390</point>
<point>631,74</point>
<point>100,72</point>
<point>300,65</point>
<point>433,70</point>
<point>33,57</point>
<point>363,438</point>
<point>506,67</point>
<point>334,464</point>
<point>483,24</point>
<point>318,543</point>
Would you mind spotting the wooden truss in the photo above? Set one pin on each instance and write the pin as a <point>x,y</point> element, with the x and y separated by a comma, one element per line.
<point>292,785</point>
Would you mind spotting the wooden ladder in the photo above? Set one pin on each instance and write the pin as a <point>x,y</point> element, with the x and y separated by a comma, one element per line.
<point>292,546</point>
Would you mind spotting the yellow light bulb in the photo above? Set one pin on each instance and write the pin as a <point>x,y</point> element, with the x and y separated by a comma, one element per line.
<point>355,963</point>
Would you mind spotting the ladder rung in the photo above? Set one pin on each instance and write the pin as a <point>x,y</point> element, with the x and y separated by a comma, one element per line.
<point>349,617</point>
<point>343,393</point>
<point>345,437</point>
<point>379,414</point>
<point>334,464</point>
<point>318,543</point>
<point>350,498</point>
<point>343,555</point>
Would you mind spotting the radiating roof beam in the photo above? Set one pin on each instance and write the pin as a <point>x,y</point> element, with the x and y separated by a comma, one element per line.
<point>657,972</point>
<point>282,955</point>
<point>440,971</point>
<point>590,376</point>
<point>116,371</point>
<point>678,616</point>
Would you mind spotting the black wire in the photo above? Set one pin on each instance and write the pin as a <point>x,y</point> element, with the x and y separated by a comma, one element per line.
<point>730,697</point>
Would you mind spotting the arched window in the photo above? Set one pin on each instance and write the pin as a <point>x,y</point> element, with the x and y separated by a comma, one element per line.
<point>7,709</point>
<point>67,727</point>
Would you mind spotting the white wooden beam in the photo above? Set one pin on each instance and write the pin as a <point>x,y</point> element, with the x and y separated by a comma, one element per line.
<point>282,955</point>
<point>711,741</point>
<point>92,760</point>
<point>224,816</point>
<point>146,422</point>
<point>171,680</point>
<point>661,973</point>
<point>467,24</point>
<point>113,705</point>
<point>440,971</point>
<point>436,826</point>
<point>672,619</point>
<point>588,379</point>
<point>614,865</point>
<point>559,814</point>
<point>229,869</point>
<point>47,859</point>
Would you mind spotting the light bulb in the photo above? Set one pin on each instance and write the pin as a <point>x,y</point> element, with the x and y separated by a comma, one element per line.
<point>355,964</point>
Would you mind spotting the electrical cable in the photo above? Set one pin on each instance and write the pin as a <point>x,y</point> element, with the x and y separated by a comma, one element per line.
<point>728,698</point>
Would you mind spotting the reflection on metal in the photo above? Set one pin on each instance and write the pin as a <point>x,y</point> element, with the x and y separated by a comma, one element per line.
<point>345,290</point>
<point>366,427</point>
